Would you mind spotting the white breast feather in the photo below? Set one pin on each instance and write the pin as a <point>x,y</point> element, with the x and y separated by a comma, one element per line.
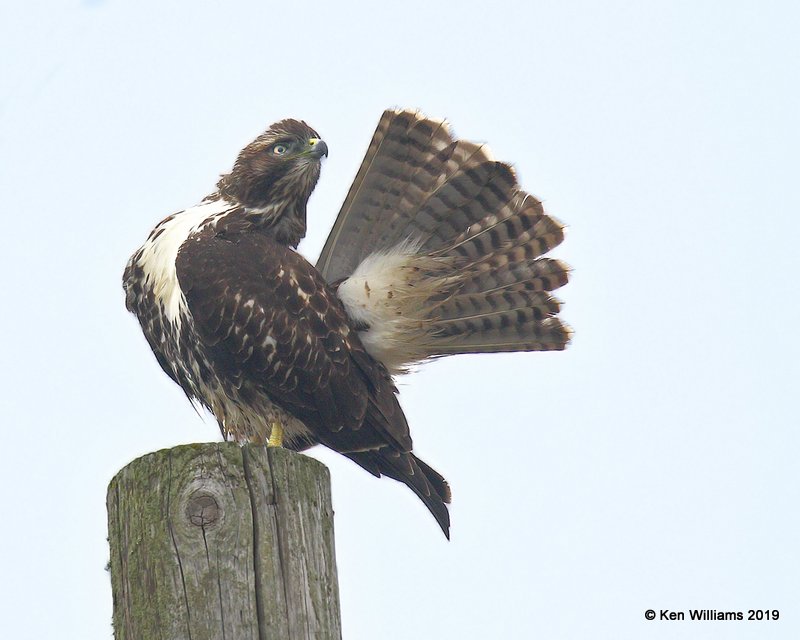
<point>159,252</point>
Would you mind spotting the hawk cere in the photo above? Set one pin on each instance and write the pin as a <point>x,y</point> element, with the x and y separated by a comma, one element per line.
<point>436,251</point>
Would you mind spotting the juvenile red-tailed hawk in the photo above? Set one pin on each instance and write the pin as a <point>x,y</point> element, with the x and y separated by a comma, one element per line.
<point>436,251</point>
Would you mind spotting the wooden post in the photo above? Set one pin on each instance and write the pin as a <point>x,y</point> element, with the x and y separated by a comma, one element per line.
<point>222,541</point>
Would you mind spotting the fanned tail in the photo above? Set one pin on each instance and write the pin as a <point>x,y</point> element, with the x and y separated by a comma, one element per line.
<point>438,251</point>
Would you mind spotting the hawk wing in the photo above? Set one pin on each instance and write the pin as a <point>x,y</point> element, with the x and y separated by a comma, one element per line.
<point>270,324</point>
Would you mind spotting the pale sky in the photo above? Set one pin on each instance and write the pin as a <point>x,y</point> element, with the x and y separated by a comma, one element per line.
<point>653,465</point>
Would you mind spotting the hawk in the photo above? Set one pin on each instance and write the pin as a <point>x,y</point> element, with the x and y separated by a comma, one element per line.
<point>436,251</point>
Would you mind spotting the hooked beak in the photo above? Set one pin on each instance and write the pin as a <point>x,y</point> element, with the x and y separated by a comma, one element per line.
<point>316,148</point>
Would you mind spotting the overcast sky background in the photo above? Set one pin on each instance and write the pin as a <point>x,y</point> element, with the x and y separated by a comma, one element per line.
<point>652,465</point>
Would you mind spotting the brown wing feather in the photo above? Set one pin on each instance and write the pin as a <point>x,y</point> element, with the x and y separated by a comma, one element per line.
<point>270,324</point>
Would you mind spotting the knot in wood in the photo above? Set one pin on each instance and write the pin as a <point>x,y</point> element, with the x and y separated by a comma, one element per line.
<point>202,510</point>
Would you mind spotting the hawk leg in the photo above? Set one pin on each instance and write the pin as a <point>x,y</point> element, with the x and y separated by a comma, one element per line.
<point>276,435</point>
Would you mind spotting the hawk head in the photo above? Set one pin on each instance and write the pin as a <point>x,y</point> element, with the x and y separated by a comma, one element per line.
<point>274,175</point>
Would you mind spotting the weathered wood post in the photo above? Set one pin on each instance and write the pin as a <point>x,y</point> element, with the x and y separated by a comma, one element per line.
<point>222,541</point>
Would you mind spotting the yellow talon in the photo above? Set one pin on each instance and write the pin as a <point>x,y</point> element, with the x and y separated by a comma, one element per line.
<point>276,435</point>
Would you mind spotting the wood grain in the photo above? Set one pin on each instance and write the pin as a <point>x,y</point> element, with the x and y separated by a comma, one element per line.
<point>217,541</point>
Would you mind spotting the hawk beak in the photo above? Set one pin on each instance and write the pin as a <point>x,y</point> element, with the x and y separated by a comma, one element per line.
<point>317,148</point>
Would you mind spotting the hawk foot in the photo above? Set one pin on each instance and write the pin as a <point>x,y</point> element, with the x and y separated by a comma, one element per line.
<point>276,435</point>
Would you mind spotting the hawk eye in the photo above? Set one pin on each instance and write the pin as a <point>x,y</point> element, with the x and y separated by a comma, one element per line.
<point>280,149</point>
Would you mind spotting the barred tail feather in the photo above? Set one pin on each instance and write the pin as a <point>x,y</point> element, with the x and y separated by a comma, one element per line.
<point>440,252</point>
<point>548,335</point>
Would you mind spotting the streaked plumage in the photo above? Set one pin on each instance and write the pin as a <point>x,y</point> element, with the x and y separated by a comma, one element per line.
<point>436,251</point>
